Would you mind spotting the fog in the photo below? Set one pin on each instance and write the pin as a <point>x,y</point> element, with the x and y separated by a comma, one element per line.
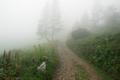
<point>19,19</point>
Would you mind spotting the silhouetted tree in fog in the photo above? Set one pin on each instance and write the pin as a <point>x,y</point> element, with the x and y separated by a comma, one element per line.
<point>50,24</point>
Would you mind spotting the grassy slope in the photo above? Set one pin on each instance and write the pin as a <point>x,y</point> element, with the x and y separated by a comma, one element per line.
<point>102,50</point>
<point>23,64</point>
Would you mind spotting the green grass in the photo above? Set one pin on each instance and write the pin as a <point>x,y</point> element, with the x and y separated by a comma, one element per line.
<point>81,74</point>
<point>103,75</point>
<point>23,64</point>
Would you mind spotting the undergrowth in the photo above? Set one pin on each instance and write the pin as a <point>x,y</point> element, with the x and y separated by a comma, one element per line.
<point>22,64</point>
<point>102,50</point>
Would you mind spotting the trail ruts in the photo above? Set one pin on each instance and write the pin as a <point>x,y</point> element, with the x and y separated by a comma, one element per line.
<point>68,62</point>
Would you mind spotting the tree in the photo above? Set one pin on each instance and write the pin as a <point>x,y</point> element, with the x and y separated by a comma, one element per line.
<point>50,24</point>
<point>80,33</point>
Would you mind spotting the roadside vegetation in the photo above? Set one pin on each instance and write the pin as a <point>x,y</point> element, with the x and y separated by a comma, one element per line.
<point>100,45</point>
<point>81,74</point>
<point>22,64</point>
<point>102,50</point>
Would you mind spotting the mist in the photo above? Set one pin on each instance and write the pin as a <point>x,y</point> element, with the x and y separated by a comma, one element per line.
<point>19,19</point>
<point>59,39</point>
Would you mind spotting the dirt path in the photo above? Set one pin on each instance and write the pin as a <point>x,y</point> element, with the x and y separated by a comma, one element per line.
<point>68,63</point>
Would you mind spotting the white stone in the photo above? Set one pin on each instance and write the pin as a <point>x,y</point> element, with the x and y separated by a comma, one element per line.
<point>42,67</point>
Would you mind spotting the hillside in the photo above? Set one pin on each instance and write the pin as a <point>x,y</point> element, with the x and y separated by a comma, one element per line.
<point>101,48</point>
